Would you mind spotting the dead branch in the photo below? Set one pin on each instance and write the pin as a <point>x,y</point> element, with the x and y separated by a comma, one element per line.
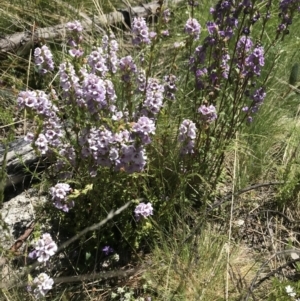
<point>13,42</point>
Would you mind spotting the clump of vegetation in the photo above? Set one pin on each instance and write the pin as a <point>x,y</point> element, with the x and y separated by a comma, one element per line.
<point>155,135</point>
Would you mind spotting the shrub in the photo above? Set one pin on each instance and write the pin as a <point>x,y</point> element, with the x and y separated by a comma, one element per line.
<point>117,129</point>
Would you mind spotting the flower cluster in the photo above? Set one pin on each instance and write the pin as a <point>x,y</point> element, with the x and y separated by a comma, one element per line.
<point>43,59</point>
<point>170,86</point>
<point>127,68</point>
<point>154,96</point>
<point>107,250</point>
<point>244,45</point>
<point>68,79</point>
<point>254,61</point>
<point>166,15</point>
<point>144,127</point>
<point>44,248</point>
<point>214,65</point>
<point>187,136</point>
<point>59,197</point>
<point>140,31</point>
<point>287,9</point>
<point>38,101</point>
<point>40,104</point>
<point>75,28</point>
<point>43,284</point>
<point>143,210</point>
<point>222,28</point>
<point>117,150</point>
<point>226,17</point>
<point>192,28</point>
<point>110,46</point>
<point>257,97</point>
<point>141,81</point>
<point>208,113</point>
<point>97,61</point>
<point>94,92</point>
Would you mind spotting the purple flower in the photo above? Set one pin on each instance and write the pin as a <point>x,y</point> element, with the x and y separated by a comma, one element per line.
<point>107,250</point>
<point>244,45</point>
<point>74,26</point>
<point>59,196</point>
<point>257,98</point>
<point>43,59</point>
<point>132,159</point>
<point>209,113</point>
<point>201,72</point>
<point>224,65</point>
<point>187,129</point>
<point>42,144</point>
<point>127,67</point>
<point>76,52</point>
<point>37,101</point>
<point>143,210</point>
<point>152,35</point>
<point>170,86</point>
<point>140,31</point>
<point>200,55</point>
<point>249,119</point>
<point>97,61</point>
<point>259,95</point>
<point>94,93</point>
<point>69,81</point>
<point>212,27</point>
<point>154,96</point>
<point>29,137</point>
<point>117,115</point>
<point>110,93</point>
<point>250,60</point>
<point>165,33</point>
<point>144,127</point>
<point>44,248</point>
<point>166,15</point>
<point>27,99</point>
<point>141,81</point>
<point>112,58</point>
<point>193,28</point>
<point>255,61</point>
<point>187,136</point>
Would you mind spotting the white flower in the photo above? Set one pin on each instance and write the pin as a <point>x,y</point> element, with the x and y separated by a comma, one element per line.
<point>113,295</point>
<point>43,284</point>
<point>143,210</point>
<point>120,290</point>
<point>116,257</point>
<point>290,291</point>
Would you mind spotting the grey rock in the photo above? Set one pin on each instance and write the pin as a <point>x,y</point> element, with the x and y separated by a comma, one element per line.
<point>16,215</point>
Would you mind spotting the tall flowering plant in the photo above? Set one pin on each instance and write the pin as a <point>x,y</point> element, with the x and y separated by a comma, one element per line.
<point>230,64</point>
<point>98,119</point>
